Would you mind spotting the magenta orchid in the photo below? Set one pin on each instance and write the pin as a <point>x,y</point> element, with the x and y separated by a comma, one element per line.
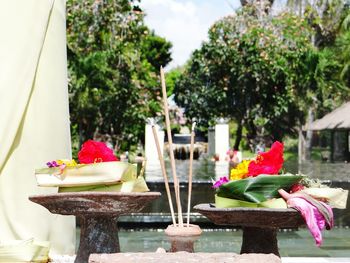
<point>219,182</point>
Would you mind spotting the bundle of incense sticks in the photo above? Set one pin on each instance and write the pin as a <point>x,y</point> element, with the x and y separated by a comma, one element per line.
<point>172,162</point>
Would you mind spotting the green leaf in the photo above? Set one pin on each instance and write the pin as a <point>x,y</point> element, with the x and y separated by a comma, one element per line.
<point>258,189</point>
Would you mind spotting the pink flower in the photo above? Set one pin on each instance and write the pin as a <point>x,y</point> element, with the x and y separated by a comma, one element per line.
<point>93,151</point>
<point>219,182</point>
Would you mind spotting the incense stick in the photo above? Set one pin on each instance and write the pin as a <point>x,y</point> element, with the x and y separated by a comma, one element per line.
<point>170,141</point>
<point>162,165</point>
<point>190,174</point>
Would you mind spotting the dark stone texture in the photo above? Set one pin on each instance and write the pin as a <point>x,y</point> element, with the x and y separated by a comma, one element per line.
<point>98,213</point>
<point>259,225</point>
<point>95,203</point>
<point>97,235</point>
<point>252,217</point>
<point>259,240</point>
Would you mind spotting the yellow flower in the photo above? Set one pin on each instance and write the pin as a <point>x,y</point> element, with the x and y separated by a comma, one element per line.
<point>67,162</point>
<point>240,171</point>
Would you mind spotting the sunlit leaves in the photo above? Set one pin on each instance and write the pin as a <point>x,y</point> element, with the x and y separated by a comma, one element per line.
<point>113,69</point>
<point>254,70</point>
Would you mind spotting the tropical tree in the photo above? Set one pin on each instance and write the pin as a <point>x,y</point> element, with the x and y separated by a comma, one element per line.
<point>257,70</point>
<point>342,47</point>
<point>325,17</point>
<point>113,61</point>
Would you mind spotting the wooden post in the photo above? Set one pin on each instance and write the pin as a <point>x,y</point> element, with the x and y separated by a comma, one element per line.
<point>332,146</point>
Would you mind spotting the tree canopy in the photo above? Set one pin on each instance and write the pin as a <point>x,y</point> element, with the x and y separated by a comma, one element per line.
<point>259,71</point>
<point>113,61</point>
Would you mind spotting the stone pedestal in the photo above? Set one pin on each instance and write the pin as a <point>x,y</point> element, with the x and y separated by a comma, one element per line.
<point>259,240</point>
<point>98,233</point>
<point>98,213</point>
<point>259,225</point>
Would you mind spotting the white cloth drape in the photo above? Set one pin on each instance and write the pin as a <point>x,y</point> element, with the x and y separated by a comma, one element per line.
<point>34,117</point>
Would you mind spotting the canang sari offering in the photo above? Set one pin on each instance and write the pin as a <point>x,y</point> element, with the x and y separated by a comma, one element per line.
<point>260,183</point>
<point>98,170</point>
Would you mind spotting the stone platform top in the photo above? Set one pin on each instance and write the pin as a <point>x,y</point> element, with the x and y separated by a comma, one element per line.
<point>252,217</point>
<point>183,257</point>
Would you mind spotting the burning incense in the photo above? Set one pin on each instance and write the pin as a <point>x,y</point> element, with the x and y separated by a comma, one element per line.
<point>190,174</point>
<point>160,156</point>
<point>170,141</point>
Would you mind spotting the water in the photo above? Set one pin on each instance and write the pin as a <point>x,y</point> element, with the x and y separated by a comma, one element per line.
<point>147,232</point>
<point>291,243</point>
<point>204,171</point>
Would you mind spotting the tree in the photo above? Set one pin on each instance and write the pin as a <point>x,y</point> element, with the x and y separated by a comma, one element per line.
<point>341,47</point>
<point>255,70</point>
<point>325,17</point>
<point>113,61</point>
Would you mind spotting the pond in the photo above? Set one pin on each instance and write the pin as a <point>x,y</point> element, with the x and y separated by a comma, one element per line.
<point>291,243</point>
<point>145,232</point>
<point>204,171</point>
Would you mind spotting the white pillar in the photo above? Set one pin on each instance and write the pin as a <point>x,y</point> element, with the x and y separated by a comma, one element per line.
<point>221,140</point>
<point>150,145</point>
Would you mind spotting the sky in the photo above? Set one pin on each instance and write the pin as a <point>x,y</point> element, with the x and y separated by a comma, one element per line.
<point>185,23</point>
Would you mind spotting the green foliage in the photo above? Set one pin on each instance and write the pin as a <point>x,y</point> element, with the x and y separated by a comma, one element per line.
<point>156,50</point>
<point>341,48</point>
<point>171,77</point>
<point>257,71</point>
<point>257,189</point>
<point>113,63</point>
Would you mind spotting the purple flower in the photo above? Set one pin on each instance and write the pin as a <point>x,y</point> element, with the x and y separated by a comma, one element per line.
<point>219,182</point>
<point>52,164</point>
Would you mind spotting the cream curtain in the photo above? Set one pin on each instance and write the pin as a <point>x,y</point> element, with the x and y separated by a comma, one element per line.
<point>34,117</point>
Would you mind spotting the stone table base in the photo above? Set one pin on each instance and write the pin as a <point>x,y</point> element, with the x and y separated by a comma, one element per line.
<point>97,234</point>
<point>98,213</point>
<point>260,225</point>
<point>259,240</point>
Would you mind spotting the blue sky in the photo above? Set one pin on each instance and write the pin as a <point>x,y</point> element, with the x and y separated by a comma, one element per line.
<point>185,23</point>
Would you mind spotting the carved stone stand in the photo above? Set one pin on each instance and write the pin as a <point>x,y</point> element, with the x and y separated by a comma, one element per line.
<point>259,225</point>
<point>183,238</point>
<point>98,213</point>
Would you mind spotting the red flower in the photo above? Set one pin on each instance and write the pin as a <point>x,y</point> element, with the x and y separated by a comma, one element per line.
<point>296,188</point>
<point>93,151</point>
<point>267,162</point>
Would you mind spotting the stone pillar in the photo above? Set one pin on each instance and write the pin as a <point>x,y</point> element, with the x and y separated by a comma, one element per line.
<point>211,141</point>
<point>340,145</point>
<point>151,153</point>
<point>150,145</point>
<point>221,139</point>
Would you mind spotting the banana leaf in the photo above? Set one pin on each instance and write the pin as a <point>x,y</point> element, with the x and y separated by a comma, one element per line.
<point>257,189</point>
<point>222,202</point>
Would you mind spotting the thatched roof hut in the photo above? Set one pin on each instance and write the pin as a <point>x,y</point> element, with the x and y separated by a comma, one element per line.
<point>338,123</point>
<point>339,119</point>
